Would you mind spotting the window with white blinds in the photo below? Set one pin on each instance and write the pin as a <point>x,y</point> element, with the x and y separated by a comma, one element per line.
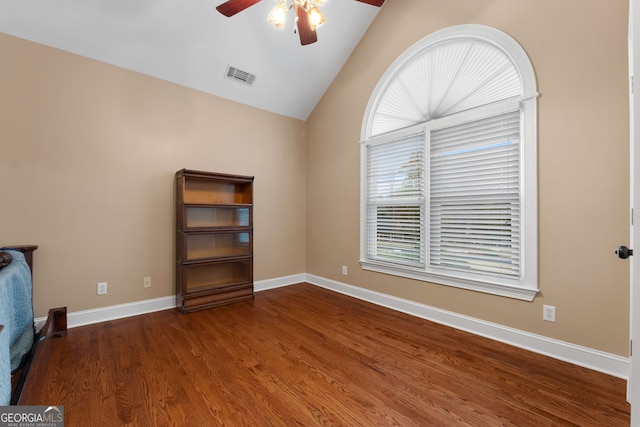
<point>395,200</point>
<point>449,165</point>
<point>474,170</point>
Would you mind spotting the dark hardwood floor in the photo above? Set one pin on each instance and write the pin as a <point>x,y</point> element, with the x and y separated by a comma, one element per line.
<point>305,356</point>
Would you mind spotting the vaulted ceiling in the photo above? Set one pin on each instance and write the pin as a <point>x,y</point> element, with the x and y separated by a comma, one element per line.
<point>191,44</point>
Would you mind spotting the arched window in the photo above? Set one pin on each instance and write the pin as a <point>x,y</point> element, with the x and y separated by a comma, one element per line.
<point>449,162</point>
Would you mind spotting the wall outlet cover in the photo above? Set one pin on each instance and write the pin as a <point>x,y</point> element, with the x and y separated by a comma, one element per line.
<point>102,288</point>
<point>549,313</point>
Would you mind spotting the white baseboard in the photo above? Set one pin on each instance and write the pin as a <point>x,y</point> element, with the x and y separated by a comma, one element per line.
<point>263,285</point>
<point>607,363</point>
<point>104,314</point>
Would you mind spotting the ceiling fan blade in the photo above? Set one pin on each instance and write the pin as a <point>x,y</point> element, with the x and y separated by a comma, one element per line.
<point>232,7</point>
<point>307,35</point>
<point>372,2</point>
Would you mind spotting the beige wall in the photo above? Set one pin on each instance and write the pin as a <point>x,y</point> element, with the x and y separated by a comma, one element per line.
<point>87,157</point>
<point>578,49</point>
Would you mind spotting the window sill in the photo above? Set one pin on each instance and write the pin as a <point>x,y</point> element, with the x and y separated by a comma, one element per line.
<point>524,294</point>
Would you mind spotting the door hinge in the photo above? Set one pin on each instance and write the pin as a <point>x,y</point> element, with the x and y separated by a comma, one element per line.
<point>631,85</point>
<point>630,348</point>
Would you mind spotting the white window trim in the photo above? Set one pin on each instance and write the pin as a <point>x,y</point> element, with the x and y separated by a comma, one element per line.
<point>527,289</point>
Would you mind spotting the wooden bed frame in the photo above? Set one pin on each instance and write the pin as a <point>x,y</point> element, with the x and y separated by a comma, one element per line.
<point>26,383</point>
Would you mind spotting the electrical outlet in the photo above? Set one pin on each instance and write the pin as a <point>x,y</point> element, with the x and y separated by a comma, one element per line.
<point>549,313</point>
<point>101,288</point>
<point>344,270</point>
<point>147,282</point>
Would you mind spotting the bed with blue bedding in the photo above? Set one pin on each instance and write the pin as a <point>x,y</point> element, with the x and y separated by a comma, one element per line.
<point>16,315</point>
<point>23,353</point>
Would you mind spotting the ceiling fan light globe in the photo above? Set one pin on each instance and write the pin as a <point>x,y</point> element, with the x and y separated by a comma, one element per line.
<point>278,15</point>
<point>316,18</point>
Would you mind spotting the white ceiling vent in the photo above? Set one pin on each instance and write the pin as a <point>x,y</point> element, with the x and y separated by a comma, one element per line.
<point>240,76</point>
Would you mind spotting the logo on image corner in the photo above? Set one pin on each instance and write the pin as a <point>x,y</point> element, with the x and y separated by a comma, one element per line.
<point>32,416</point>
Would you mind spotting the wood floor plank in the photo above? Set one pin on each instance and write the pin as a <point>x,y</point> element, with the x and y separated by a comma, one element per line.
<point>303,356</point>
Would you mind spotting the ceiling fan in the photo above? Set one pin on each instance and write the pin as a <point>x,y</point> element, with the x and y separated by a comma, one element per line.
<point>307,13</point>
